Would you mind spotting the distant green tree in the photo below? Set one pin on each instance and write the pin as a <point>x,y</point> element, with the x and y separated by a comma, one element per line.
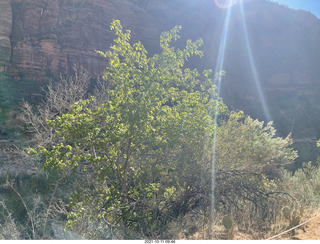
<point>144,148</point>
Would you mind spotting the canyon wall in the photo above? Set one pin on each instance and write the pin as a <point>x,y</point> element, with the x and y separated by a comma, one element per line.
<point>5,32</point>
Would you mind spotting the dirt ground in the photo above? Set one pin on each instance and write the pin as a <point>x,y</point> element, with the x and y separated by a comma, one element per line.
<point>309,231</point>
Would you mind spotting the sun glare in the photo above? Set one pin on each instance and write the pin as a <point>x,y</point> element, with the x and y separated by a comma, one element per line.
<point>225,3</point>
<point>219,68</point>
<point>253,67</point>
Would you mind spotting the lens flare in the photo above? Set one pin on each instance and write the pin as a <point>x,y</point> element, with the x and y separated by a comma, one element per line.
<point>218,69</point>
<point>225,3</point>
<point>253,67</point>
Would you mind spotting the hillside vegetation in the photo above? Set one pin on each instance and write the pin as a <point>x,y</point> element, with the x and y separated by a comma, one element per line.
<point>150,151</point>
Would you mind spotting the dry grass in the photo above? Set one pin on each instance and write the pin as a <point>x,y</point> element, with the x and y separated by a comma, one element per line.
<point>189,229</point>
<point>310,231</point>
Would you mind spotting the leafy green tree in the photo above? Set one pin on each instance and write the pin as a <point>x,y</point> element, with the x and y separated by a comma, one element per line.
<point>143,148</point>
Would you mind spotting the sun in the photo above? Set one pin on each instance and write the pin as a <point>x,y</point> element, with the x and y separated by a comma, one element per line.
<point>225,3</point>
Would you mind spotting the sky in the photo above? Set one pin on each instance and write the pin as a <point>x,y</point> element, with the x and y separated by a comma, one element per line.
<point>309,5</point>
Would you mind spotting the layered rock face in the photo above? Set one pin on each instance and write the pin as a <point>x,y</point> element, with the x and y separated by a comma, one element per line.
<point>50,36</point>
<point>5,32</point>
